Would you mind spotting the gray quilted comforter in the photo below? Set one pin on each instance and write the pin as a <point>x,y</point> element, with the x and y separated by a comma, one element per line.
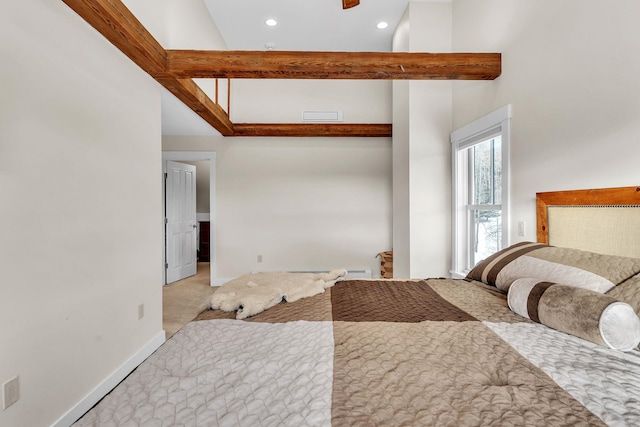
<point>437,352</point>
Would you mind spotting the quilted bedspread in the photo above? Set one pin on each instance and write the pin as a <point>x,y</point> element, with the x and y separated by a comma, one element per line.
<point>435,352</point>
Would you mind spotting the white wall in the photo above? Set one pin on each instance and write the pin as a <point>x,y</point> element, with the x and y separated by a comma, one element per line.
<point>282,101</point>
<point>301,203</point>
<point>81,209</point>
<point>401,159</point>
<point>188,25</point>
<point>183,24</point>
<point>570,70</point>
<point>421,151</point>
<point>153,16</point>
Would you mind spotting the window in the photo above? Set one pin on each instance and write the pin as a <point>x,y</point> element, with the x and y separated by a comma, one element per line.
<point>480,154</point>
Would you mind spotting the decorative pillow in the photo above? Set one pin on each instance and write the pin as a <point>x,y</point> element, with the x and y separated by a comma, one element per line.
<point>590,315</point>
<point>571,267</point>
<point>629,292</point>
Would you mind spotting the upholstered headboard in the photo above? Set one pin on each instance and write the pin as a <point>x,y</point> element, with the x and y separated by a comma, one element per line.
<point>604,220</point>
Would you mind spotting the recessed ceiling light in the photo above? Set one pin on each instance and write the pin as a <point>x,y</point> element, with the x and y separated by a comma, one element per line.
<point>271,22</point>
<point>382,25</point>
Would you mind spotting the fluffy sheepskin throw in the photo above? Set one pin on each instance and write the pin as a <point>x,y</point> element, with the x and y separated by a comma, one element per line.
<point>253,293</point>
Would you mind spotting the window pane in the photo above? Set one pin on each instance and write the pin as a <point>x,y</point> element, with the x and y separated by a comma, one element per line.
<point>486,234</point>
<point>497,170</point>
<point>486,172</point>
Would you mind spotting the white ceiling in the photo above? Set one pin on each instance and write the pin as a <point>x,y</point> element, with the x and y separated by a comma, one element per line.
<point>306,25</point>
<point>318,25</point>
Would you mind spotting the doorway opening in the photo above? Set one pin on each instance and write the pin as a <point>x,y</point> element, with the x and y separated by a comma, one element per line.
<point>201,158</point>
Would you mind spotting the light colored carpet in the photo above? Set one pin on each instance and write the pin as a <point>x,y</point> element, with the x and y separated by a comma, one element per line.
<point>185,299</point>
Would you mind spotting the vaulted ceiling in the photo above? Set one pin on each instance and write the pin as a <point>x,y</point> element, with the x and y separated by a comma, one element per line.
<point>176,69</point>
<point>307,25</point>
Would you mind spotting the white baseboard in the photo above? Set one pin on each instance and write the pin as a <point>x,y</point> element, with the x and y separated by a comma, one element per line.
<point>358,274</point>
<point>219,281</point>
<point>351,274</point>
<point>110,382</point>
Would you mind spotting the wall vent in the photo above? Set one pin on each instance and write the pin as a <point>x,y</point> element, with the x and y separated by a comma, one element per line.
<point>322,116</point>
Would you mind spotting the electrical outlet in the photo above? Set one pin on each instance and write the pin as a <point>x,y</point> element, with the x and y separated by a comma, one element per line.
<point>140,311</point>
<point>259,259</point>
<point>10,392</point>
<point>521,228</point>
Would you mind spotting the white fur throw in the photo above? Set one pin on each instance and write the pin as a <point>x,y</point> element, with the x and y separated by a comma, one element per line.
<point>253,293</point>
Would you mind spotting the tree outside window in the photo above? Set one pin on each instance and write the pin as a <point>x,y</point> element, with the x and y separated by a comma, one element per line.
<point>480,208</point>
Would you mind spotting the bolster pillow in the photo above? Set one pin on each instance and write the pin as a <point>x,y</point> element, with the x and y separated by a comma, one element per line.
<point>587,314</point>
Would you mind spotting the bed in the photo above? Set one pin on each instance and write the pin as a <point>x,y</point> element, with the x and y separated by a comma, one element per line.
<point>432,352</point>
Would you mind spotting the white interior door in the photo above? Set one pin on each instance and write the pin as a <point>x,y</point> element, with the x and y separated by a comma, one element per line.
<point>181,225</point>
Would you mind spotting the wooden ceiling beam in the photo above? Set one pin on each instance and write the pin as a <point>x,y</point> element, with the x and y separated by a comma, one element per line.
<point>251,64</point>
<point>348,4</point>
<point>117,24</point>
<point>174,69</point>
<point>187,91</point>
<point>312,129</point>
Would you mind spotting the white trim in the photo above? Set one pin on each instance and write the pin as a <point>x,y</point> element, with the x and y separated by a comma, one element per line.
<point>351,274</point>
<point>219,281</point>
<point>498,122</point>
<point>482,128</point>
<point>109,383</point>
<point>457,274</point>
<point>483,207</point>
<point>191,156</point>
<point>506,181</point>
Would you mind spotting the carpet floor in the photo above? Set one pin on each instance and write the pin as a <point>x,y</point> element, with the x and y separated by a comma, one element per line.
<point>185,299</point>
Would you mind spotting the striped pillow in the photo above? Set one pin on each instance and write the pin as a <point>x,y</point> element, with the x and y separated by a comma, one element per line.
<point>572,267</point>
<point>589,315</point>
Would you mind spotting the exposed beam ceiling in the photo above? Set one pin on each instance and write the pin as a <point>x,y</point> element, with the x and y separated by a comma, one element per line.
<point>348,4</point>
<point>333,65</point>
<point>174,70</point>
<point>312,129</point>
<point>118,25</point>
<point>187,91</point>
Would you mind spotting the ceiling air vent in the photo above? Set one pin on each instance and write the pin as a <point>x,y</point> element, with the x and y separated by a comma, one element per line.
<point>322,116</point>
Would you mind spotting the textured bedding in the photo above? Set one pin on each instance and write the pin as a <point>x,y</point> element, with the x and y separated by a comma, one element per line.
<point>436,352</point>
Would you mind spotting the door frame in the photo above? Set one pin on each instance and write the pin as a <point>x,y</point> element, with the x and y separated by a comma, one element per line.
<point>192,156</point>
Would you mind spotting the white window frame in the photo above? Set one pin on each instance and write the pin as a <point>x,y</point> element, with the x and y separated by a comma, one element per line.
<point>496,123</point>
